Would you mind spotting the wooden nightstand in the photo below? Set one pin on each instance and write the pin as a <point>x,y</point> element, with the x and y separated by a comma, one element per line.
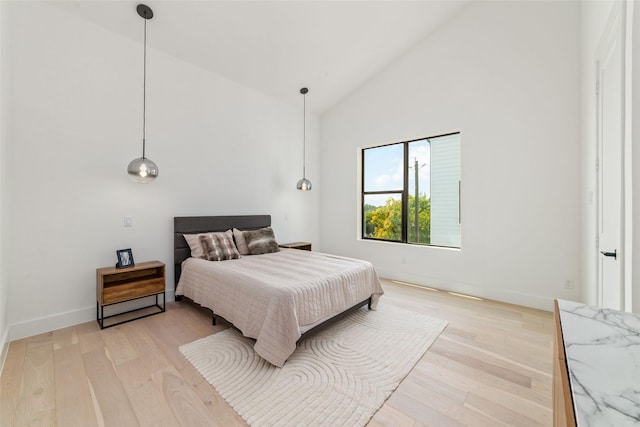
<point>305,246</point>
<point>116,285</point>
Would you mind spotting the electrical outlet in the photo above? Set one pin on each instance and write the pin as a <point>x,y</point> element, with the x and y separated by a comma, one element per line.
<point>128,221</point>
<point>568,284</point>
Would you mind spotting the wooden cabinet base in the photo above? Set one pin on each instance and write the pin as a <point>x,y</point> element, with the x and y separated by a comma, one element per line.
<point>115,286</point>
<point>563,414</point>
<point>305,246</point>
<point>100,317</point>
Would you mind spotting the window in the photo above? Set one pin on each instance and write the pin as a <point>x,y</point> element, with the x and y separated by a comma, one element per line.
<point>411,191</point>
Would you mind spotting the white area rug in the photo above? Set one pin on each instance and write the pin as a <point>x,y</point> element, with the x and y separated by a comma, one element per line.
<point>338,377</point>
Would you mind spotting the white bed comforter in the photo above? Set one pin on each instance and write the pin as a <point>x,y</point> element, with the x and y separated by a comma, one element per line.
<point>273,297</point>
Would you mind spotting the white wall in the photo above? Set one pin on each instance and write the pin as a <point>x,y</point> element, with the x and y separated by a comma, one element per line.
<point>76,123</point>
<point>507,75</point>
<point>4,167</point>
<point>636,153</point>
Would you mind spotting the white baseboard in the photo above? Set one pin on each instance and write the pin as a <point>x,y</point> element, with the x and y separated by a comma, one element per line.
<point>518,298</point>
<point>63,320</point>
<point>44,324</point>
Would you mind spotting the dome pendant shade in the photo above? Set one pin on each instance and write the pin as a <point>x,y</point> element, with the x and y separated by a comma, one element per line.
<point>304,184</point>
<point>142,170</point>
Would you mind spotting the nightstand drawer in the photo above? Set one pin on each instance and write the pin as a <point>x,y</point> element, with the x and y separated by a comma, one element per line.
<point>128,291</point>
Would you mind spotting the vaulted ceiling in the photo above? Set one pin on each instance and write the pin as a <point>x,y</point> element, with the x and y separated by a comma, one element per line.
<point>277,47</point>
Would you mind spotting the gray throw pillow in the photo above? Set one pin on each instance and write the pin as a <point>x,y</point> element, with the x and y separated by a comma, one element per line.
<point>261,241</point>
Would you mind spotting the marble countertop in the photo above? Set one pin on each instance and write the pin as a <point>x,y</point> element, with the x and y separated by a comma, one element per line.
<point>602,349</point>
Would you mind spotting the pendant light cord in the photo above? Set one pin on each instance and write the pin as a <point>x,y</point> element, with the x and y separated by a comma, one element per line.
<point>144,90</point>
<point>304,135</point>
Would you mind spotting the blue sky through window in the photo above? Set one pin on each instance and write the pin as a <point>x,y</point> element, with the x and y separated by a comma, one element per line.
<point>384,170</point>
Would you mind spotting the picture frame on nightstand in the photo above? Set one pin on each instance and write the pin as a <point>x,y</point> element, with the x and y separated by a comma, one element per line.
<point>125,258</point>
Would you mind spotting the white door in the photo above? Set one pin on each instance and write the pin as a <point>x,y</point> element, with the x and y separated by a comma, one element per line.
<point>610,98</point>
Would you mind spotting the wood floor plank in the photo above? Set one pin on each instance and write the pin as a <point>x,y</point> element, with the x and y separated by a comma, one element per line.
<point>471,379</point>
<point>119,348</point>
<point>114,407</point>
<point>147,348</point>
<point>441,403</point>
<point>89,337</point>
<point>74,403</point>
<point>494,369</point>
<point>506,361</point>
<point>169,333</point>
<point>36,405</point>
<point>526,405</point>
<point>421,410</point>
<point>501,413</point>
<point>64,337</point>
<point>182,400</point>
<point>528,402</point>
<point>11,381</point>
<point>505,358</point>
<point>146,398</point>
<point>491,366</point>
<point>388,416</point>
<point>212,400</point>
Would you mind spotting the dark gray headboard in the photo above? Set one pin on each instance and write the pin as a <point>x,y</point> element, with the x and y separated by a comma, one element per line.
<point>202,224</point>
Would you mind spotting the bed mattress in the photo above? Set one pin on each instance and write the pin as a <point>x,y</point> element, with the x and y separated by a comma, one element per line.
<point>275,297</point>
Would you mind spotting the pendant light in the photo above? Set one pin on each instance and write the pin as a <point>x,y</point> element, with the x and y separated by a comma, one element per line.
<point>304,184</point>
<point>143,170</point>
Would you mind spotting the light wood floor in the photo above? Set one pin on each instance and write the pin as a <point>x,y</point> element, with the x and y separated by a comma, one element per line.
<point>490,367</point>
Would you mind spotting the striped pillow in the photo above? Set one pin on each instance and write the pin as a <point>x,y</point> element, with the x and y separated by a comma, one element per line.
<point>218,247</point>
<point>261,241</point>
<point>193,240</point>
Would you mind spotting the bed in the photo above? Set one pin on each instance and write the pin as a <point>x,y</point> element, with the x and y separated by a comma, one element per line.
<point>274,298</point>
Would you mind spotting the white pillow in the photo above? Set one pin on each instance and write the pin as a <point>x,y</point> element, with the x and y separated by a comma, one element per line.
<point>241,244</point>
